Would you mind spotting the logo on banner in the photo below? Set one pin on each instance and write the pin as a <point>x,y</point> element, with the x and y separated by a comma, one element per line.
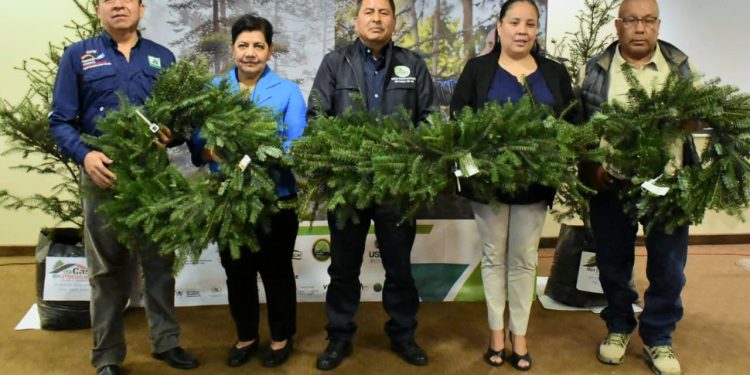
<point>297,255</point>
<point>321,250</point>
<point>92,60</point>
<point>378,287</point>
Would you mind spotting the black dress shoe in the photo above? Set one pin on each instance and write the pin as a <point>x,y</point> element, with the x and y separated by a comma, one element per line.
<point>239,356</point>
<point>335,352</point>
<point>177,357</point>
<point>410,352</point>
<point>275,357</point>
<point>108,370</point>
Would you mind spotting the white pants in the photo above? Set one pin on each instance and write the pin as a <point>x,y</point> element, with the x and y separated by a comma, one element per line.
<point>509,235</point>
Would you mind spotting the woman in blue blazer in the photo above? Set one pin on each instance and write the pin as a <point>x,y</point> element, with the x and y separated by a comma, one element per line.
<point>251,49</point>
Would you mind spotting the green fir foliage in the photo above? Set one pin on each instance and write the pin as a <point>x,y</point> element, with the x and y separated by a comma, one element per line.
<point>153,203</point>
<point>25,128</point>
<point>644,131</point>
<point>356,159</point>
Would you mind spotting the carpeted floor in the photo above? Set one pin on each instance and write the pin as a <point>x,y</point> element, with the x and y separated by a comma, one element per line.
<point>713,337</point>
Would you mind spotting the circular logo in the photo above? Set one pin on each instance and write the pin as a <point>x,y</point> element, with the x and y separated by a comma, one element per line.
<point>377,287</point>
<point>321,250</point>
<point>402,71</point>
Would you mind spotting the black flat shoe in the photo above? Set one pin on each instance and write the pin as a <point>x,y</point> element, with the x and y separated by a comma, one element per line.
<point>177,357</point>
<point>491,353</point>
<point>239,356</point>
<point>275,357</point>
<point>335,352</point>
<point>410,352</point>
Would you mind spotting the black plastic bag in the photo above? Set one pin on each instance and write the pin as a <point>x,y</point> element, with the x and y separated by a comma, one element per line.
<point>59,315</point>
<point>561,286</point>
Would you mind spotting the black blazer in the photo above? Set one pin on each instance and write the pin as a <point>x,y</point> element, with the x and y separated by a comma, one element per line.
<point>471,91</point>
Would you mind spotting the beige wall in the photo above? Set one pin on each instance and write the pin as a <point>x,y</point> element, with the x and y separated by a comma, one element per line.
<point>28,25</point>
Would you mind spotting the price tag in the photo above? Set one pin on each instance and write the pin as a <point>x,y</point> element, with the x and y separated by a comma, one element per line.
<point>652,188</point>
<point>468,166</point>
<point>151,126</point>
<point>244,163</point>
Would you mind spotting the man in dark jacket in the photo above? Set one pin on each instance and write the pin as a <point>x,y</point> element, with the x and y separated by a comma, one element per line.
<point>652,61</point>
<point>388,78</point>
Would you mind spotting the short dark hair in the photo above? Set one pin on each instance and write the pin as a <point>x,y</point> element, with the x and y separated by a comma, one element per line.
<point>503,10</point>
<point>252,22</point>
<point>393,6</point>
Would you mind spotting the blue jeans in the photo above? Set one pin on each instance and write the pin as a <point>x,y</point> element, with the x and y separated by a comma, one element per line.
<point>615,233</point>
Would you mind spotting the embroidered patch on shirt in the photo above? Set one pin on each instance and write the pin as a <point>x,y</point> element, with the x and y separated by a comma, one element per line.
<point>154,62</point>
<point>91,60</point>
<point>402,71</point>
<point>402,75</point>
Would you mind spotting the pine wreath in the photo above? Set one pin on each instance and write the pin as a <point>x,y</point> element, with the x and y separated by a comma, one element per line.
<point>356,159</point>
<point>152,202</point>
<point>642,132</point>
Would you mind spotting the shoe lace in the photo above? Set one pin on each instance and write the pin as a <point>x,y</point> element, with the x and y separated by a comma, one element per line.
<point>618,339</point>
<point>662,352</point>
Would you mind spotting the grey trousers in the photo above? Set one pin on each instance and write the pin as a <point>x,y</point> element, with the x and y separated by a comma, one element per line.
<point>109,265</point>
<point>509,235</point>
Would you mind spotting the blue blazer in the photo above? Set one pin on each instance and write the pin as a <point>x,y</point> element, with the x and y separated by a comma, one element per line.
<point>285,98</point>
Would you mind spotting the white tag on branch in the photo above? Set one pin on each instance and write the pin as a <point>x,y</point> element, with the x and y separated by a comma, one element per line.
<point>244,163</point>
<point>652,188</point>
<point>153,127</point>
<point>467,166</point>
<point>458,174</point>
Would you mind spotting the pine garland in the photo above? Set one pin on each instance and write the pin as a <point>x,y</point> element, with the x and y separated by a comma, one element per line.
<point>644,130</point>
<point>152,202</point>
<point>355,159</point>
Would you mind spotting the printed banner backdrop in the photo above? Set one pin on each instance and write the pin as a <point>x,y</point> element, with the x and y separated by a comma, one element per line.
<point>446,251</point>
<point>443,263</point>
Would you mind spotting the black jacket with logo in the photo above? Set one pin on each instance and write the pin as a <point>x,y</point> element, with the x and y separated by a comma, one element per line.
<point>408,83</point>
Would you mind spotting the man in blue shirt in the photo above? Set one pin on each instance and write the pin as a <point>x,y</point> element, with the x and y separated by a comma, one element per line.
<point>90,74</point>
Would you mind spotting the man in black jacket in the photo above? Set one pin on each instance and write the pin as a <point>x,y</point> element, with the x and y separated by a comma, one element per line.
<point>388,78</point>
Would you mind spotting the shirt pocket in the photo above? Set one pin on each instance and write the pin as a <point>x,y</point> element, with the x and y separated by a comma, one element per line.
<point>99,82</point>
<point>345,96</point>
<point>148,77</point>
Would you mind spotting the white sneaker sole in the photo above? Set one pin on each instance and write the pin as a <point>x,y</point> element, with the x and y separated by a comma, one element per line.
<point>610,361</point>
<point>656,370</point>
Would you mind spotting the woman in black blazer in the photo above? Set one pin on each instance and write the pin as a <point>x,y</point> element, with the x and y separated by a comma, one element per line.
<point>510,226</point>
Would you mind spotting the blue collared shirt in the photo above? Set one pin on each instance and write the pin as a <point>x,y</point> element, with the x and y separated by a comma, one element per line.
<point>90,74</point>
<point>374,76</point>
<point>285,98</point>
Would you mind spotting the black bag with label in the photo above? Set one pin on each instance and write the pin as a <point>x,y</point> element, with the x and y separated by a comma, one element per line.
<point>59,315</point>
<point>561,286</point>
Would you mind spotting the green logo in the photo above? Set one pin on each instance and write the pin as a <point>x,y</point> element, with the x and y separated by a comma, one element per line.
<point>591,262</point>
<point>321,250</point>
<point>402,71</point>
<point>377,287</point>
<point>154,62</point>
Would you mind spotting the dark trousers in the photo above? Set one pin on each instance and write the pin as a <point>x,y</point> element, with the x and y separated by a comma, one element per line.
<point>400,298</point>
<point>615,234</point>
<point>109,265</point>
<point>274,263</point>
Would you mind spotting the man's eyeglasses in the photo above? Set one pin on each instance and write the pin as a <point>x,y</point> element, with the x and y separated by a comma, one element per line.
<point>633,21</point>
